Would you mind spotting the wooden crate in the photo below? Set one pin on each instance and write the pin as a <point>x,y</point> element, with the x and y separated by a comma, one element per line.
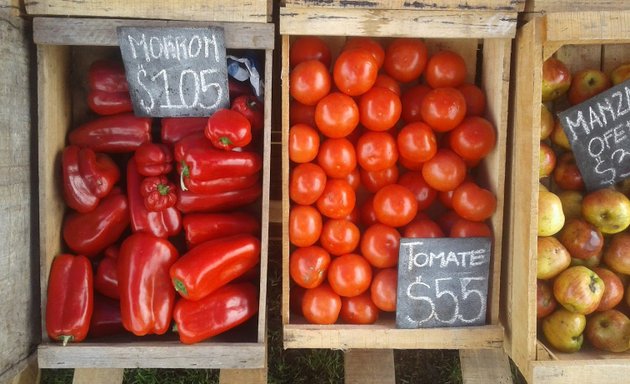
<point>541,6</point>
<point>580,39</point>
<point>65,47</point>
<point>486,36</point>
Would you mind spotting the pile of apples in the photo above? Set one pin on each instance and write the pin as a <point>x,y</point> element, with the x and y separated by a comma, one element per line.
<point>583,254</point>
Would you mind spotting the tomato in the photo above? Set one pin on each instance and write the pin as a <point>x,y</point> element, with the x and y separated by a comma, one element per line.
<point>308,266</point>
<point>379,109</point>
<point>305,225</point>
<point>337,157</point>
<point>359,309</point>
<point>405,59</point>
<point>301,113</point>
<point>375,180</point>
<point>355,71</point>
<point>446,221</point>
<point>376,151</point>
<point>395,205</point>
<point>411,101</point>
<point>338,199</point>
<point>309,81</point>
<point>336,115</point>
<point>475,99</point>
<point>354,178</point>
<point>424,194</point>
<point>473,139</point>
<point>410,164</point>
<point>474,203</point>
<point>307,183</point>
<point>385,81</point>
<point>443,109</point>
<point>417,142</point>
<point>466,228</point>
<point>446,198</point>
<point>368,44</point>
<point>303,143</point>
<point>368,215</point>
<point>349,275</point>
<point>339,236</point>
<point>383,289</point>
<point>309,48</point>
<point>445,171</point>
<point>321,305</point>
<point>379,245</point>
<point>445,69</point>
<point>423,228</point>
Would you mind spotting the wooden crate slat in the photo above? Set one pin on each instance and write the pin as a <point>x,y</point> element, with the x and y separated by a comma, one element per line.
<point>98,376</point>
<point>588,27</point>
<point>478,5</point>
<point>613,55</point>
<point>369,366</point>
<point>285,180</point>
<point>577,371</point>
<point>238,376</point>
<point>569,5</point>
<point>482,366</point>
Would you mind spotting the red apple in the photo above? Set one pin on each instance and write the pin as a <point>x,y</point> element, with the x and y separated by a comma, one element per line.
<point>552,258</point>
<point>547,160</point>
<point>556,79</point>
<point>583,241</point>
<point>545,302</point>
<point>567,174</point>
<point>578,289</point>
<point>559,137</point>
<point>617,254</point>
<point>613,293</point>
<point>607,209</point>
<point>586,84</point>
<point>546,122</point>
<point>571,204</point>
<point>620,74</point>
<point>609,331</point>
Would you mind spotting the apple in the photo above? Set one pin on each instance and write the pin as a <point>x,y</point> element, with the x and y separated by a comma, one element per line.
<point>620,74</point>
<point>583,241</point>
<point>542,187</point>
<point>578,289</point>
<point>545,302</point>
<point>607,209</point>
<point>547,160</point>
<point>586,84</point>
<point>567,174</point>
<point>609,331</point>
<point>617,253</point>
<point>613,293</point>
<point>571,204</point>
<point>563,330</point>
<point>552,258</point>
<point>550,215</point>
<point>559,137</point>
<point>556,79</point>
<point>546,122</point>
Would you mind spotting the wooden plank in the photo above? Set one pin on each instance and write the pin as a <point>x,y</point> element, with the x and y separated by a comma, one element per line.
<point>577,57</point>
<point>98,32</point>
<point>285,181</point>
<point>239,376</point>
<point>26,372</point>
<point>397,23</point>
<point>482,366</point>
<point>570,5</point>
<point>375,366</point>
<point>579,371</point>
<point>98,376</point>
<point>613,55</point>
<point>588,27</point>
<point>478,5</point>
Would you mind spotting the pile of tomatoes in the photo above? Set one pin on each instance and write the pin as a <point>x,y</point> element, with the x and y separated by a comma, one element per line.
<point>383,144</point>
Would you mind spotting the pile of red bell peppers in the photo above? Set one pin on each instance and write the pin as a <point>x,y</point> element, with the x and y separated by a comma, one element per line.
<point>160,233</point>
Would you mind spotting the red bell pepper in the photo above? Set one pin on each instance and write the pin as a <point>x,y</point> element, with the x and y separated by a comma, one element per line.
<point>253,110</point>
<point>70,298</point>
<point>106,320</point>
<point>153,159</point>
<point>109,103</point>
<point>107,76</point>
<point>200,227</point>
<point>87,177</point>
<point>228,129</point>
<point>221,185</point>
<point>146,292</point>
<point>176,128</point>
<point>237,88</point>
<point>113,134</point>
<point>164,223</point>
<point>213,264</point>
<point>90,233</point>
<point>158,193</point>
<point>106,278</point>
<point>216,313</point>
<point>211,164</point>
<point>196,140</point>
<point>188,202</point>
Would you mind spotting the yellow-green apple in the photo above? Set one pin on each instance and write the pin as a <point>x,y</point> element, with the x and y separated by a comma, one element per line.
<point>583,241</point>
<point>586,84</point>
<point>613,293</point>
<point>608,331</point>
<point>617,253</point>
<point>578,289</point>
<point>550,215</point>
<point>552,258</point>
<point>567,174</point>
<point>542,187</point>
<point>547,160</point>
<point>559,137</point>
<point>556,79</point>
<point>607,209</point>
<point>564,330</point>
<point>545,302</point>
<point>546,122</point>
<point>571,204</point>
<point>620,74</point>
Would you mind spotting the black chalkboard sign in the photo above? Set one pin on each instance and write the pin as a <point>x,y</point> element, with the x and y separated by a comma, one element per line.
<point>442,282</point>
<point>599,132</point>
<point>175,71</point>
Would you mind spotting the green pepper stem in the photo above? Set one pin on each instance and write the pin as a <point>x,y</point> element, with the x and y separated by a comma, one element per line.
<point>65,339</point>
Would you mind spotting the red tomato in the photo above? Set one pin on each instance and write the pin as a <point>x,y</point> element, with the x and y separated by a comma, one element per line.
<point>443,109</point>
<point>416,142</point>
<point>354,216</point>
<point>465,228</point>
<point>423,228</point>
<point>445,69</point>
<point>411,101</point>
<point>321,305</point>
<point>337,157</point>
<point>336,115</point>
<point>349,275</point>
<point>379,245</point>
<point>339,236</point>
<point>385,81</point>
<point>307,183</point>
<point>474,203</point>
<point>475,99</point>
<point>446,221</point>
<point>473,139</point>
<point>301,114</point>
<point>375,180</point>
<point>379,109</point>
<point>309,48</point>
<point>376,151</point>
<point>405,59</point>
<point>368,44</point>
<point>358,309</point>
<point>308,266</point>
<point>368,215</point>
<point>446,198</point>
<point>303,143</point>
<point>445,171</point>
<point>413,181</point>
<point>383,289</point>
<point>355,71</point>
<point>409,164</point>
<point>305,225</point>
<point>309,82</point>
<point>395,205</point>
<point>338,199</point>
<point>354,178</point>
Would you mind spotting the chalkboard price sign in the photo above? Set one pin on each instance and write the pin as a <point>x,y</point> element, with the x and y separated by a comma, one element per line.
<point>175,71</point>
<point>442,282</point>
<point>599,132</point>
